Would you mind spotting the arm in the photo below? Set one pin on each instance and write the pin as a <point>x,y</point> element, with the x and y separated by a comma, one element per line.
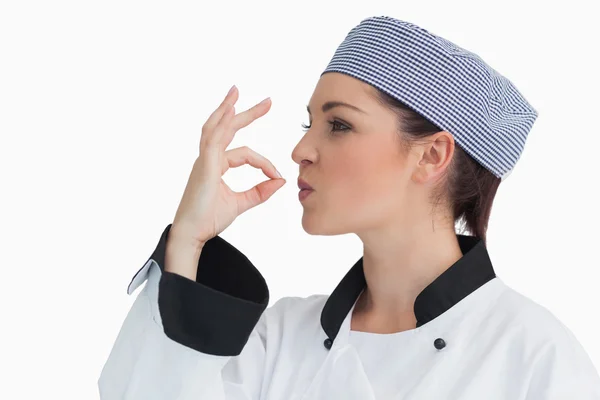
<point>179,334</point>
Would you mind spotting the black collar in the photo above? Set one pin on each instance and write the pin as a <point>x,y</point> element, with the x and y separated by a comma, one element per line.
<point>463,277</point>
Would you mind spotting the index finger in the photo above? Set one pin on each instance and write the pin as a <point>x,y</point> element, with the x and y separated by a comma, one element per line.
<point>230,99</point>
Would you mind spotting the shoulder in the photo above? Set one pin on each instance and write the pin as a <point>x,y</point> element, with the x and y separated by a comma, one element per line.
<point>294,316</point>
<point>558,363</point>
<point>297,308</point>
<point>539,338</point>
<point>532,320</point>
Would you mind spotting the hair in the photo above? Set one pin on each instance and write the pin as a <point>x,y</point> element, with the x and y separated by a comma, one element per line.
<point>468,188</point>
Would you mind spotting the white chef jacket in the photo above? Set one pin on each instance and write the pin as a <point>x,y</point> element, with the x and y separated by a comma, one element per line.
<point>215,338</point>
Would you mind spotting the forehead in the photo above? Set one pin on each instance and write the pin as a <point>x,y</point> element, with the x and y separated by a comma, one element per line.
<point>335,86</point>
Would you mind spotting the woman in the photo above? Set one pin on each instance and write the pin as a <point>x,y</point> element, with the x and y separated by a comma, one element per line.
<point>408,135</point>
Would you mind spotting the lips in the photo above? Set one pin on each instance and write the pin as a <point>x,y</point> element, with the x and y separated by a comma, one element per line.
<point>303,185</point>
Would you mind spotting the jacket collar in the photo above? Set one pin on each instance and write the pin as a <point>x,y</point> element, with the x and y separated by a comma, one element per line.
<point>470,272</point>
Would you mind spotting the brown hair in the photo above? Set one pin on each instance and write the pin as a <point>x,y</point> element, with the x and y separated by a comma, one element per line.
<point>469,188</point>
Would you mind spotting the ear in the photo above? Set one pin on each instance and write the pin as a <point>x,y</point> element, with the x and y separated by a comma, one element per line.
<point>436,156</point>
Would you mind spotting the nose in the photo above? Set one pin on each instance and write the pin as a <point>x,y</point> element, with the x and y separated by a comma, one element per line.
<point>296,155</point>
<point>303,153</point>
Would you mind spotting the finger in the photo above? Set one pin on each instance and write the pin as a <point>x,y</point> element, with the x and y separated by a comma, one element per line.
<point>244,119</point>
<point>216,116</point>
<point>245,155</point>
<point>227,128</point>
<point>214,136</point>
<point>257,195</point>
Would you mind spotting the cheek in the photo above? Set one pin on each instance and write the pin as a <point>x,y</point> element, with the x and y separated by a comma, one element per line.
<point>364,181</point>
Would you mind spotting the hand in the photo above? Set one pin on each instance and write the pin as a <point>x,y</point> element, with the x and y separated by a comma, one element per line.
<point>208,205</point>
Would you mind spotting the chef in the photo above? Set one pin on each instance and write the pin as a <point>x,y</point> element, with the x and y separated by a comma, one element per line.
<point>211,335</point>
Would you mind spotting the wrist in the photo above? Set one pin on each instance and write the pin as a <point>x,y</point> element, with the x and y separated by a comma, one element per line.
<point>182,258</point>
<point>182,237</point>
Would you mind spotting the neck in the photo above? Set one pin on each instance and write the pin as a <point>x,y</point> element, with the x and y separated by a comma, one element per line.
<point>397,267</point>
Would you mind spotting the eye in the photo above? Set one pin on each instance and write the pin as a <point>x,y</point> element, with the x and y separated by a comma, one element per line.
<point>333,124</point>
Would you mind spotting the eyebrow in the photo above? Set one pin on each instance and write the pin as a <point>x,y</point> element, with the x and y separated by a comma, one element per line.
<point>331,104</point>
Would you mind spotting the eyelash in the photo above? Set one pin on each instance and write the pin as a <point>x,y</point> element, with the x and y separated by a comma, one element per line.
<point>332,123</point>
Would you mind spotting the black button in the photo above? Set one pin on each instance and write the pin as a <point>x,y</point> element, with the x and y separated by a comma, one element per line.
<point>327,343</point>
<point>439,343</point>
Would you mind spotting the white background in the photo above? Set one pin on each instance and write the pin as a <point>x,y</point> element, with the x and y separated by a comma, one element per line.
<point>101,106</point>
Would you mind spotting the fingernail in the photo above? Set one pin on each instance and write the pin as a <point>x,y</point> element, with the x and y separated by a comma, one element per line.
<point>231,90</point>
<point>278,174</point>
<point>265,100</point>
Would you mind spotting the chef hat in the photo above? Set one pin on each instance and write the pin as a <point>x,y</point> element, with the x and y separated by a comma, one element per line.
<point>450,86</point>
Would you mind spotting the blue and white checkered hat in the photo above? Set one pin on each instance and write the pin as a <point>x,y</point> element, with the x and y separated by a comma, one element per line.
<point>450,86</point>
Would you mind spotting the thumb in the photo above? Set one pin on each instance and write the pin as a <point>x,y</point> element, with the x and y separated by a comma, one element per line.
<point>258,194</point>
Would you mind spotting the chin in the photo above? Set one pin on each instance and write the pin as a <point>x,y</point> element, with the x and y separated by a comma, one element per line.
<point>314,225</point>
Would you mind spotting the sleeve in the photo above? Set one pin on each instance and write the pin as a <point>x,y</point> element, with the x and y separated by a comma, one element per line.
<point>564,371</point>
<point>185,339</point>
